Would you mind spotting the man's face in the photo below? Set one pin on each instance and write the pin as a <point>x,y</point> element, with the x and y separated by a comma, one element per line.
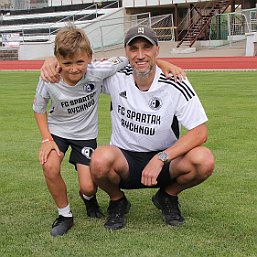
<point>74,67</point>
<point>142,55</point>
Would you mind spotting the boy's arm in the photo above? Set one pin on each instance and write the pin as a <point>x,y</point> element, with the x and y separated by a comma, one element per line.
<point>48,143</point>
<point>109,67</point>
<point>169,68</point>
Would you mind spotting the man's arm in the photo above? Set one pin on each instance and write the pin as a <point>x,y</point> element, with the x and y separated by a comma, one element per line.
<point>50,70</point>
<point>193,138</point>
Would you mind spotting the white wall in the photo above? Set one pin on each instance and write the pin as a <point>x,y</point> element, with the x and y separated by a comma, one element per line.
<point>251,44</point>
<point>68,2</point>
<point>125,3</point>
<point>35,50</point>
<point>138,3</point>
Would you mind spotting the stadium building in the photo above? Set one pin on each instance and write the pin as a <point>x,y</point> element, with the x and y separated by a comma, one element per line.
<point>32,24</point>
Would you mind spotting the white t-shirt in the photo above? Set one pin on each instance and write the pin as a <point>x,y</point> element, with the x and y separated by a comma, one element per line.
<point>144,121</point>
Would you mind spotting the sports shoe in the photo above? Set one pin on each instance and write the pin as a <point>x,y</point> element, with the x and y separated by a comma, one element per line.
<point>61,225</point>
<point>92,207</point>
<point>169,207</point>
<point>116,213</point>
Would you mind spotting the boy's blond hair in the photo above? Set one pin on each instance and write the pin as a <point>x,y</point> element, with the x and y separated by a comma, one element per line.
<point>70,40</point>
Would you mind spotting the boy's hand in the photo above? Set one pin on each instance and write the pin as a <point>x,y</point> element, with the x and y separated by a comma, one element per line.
<point>170,70</point>
<point>45,150</point>
<point>176,72</point>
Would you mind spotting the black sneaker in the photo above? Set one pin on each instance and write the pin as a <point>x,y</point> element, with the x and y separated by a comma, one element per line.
<point>92,207</point>
<point>116,213</point>
<point>169,206</point>
<point>61,225</point>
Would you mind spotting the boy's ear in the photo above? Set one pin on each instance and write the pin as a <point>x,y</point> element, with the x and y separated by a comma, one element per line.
<point>90,59</point>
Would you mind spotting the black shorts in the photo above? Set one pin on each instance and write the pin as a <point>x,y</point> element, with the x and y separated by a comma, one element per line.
<point>137,161</point>
<point>81,150</point>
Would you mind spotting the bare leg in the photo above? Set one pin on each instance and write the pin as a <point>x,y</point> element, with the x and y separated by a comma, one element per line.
<point>86,184</point>
<point>191,169</point>
<point>54,181</point>
<point>108,166</point>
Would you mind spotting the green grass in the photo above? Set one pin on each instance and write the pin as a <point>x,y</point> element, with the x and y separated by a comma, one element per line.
<point>221,213</point>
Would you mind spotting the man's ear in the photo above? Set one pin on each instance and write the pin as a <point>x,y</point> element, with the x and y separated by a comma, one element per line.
<point>157,50</point>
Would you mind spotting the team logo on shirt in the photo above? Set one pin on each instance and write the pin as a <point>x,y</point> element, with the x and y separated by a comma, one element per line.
<point>89,87</point>
<point>155,103</point>
<point>87,151</point>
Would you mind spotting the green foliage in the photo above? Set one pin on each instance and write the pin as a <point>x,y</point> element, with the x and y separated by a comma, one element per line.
<point>221,216</point>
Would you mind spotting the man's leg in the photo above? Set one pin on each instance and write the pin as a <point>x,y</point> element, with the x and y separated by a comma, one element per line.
<point>191,169</point>
<point>188,171</point>
<point>108,166</point>
<point>58,190</point>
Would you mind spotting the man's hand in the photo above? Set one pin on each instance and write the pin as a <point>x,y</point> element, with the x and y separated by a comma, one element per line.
<point>151,172</point>
<point>50,70</point>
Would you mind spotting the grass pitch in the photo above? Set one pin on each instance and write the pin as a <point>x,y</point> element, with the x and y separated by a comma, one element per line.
<point>221,213</point>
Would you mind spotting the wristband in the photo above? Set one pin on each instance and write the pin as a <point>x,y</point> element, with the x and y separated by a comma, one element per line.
<point>47,140</point>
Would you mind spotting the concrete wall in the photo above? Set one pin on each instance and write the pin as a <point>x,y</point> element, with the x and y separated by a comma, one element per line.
<point>141,3</point>
<point>125,3</point>
<point>35,50</point>
<point>251,44</point>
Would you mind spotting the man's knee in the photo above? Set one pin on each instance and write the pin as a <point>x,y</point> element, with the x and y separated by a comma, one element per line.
<point>205,163</point>
<point>100,163</point>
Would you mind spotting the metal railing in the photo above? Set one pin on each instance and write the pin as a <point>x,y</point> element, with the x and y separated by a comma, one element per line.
<point>72,18</point>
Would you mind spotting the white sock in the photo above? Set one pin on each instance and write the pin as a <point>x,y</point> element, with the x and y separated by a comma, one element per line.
<point>65,212</point>
<point>87,197</point>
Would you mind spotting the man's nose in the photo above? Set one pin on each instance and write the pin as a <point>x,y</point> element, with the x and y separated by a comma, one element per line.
<point>140,54</point>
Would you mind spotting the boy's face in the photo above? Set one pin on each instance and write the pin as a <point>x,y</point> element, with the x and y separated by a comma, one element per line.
<point>74,67</point>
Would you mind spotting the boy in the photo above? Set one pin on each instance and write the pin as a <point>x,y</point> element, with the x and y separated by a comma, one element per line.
<point>72,120</point>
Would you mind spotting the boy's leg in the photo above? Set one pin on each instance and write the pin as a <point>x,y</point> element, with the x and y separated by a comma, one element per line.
<point>88,191</point>
<point>58,190</point>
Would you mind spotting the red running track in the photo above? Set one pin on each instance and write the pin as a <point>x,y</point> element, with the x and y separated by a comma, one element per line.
<point>191,63</point>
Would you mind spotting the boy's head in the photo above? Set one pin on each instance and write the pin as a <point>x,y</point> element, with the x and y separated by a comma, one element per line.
<point>73,53</point>
<point>70,40</point>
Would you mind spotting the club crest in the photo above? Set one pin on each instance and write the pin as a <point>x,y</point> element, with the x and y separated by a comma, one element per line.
<point>89,87</point>
<point>87,151</point>
<point>155,103</point>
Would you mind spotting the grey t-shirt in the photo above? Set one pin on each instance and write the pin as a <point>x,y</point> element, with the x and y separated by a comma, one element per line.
<point>73,111</point>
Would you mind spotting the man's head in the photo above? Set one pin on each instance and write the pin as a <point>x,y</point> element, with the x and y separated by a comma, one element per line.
<point>141,32</point>
<point>142,49</point>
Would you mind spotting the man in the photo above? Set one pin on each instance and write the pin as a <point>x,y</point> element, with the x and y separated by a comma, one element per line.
<point>145,151</point>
